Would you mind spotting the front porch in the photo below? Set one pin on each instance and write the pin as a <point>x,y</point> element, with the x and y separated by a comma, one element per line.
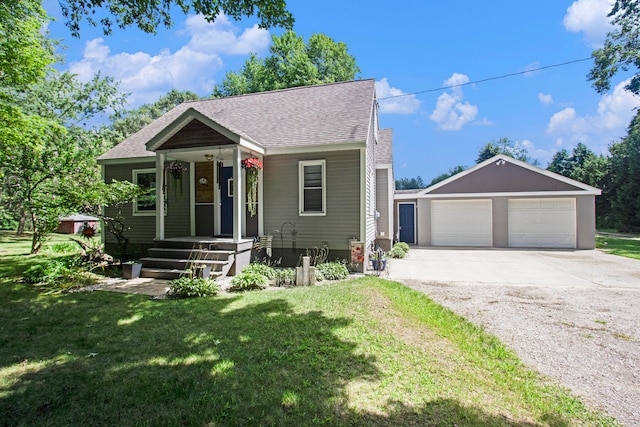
<point>211,257</point>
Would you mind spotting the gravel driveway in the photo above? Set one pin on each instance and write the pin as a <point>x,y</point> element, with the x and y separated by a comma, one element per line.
<point>572,315</point>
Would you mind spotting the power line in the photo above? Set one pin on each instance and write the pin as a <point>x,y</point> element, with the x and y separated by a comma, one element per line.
<point>487,79</point>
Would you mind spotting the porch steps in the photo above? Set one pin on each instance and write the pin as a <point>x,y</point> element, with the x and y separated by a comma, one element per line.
<point>171,260</point>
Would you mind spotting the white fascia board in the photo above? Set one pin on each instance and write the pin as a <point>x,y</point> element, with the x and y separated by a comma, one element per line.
<point>301,149</point>
<point>184,119</point>
<point>384,166</point>
<point>485,195</point>
<point>251,146</point>
<point>587,188</point>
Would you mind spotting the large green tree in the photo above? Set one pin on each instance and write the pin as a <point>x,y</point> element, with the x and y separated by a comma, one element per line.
<point>37,176</point>
<point>507,147</point>
<point>621,50</point>
<point>147,15</point>
<point>292,63</point>
<point>624,179</point>
<point>25,56</point>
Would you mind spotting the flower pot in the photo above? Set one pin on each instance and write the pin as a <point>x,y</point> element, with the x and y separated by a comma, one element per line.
<point>379,265</point>
<point>131,270</point>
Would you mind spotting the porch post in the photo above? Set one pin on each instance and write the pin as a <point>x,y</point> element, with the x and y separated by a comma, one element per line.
<point>237,194</point>
<point>260,201</point>
<point>160,196</point>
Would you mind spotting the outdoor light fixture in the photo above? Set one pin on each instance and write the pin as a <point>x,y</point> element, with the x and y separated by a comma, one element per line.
<point>209,157</point>
<point>500,162</point>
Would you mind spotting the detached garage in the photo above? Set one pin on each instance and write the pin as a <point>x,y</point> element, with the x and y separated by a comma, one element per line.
<point>501,202</point>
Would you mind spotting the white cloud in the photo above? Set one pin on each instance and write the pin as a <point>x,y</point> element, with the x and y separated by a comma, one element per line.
<point>397,101</point>
<point>483,122</point>
<point>545,98</point>
<point>452,112</point>
<point>530,70</point>
<point>192,67</point>
<point>543,156</point>
<point>615,111</point>
<point>589,17</point>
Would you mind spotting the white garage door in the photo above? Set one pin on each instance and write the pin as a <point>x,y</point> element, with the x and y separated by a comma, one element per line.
<point>461,223</point>
<point>542,223</point>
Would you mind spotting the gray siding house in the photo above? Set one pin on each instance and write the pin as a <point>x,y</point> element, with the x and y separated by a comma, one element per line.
<point>321,182</point>
<point>501,202</point>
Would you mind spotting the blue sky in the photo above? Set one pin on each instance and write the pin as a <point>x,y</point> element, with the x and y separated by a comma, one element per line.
<point>408,47</point>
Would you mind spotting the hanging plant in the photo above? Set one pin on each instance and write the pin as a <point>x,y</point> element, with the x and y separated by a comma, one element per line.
<point>252,165</point>
<point>176,168</point>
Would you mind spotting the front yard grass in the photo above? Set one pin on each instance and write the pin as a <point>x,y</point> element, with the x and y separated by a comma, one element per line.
<point>363,352</point>
<point>626,247</point>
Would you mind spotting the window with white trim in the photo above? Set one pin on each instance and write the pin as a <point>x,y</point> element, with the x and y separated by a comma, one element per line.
<point>312,186</point>
<point>145,204</point>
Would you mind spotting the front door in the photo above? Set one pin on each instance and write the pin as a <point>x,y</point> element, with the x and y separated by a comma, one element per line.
<point>226,201</point>
<point>204,198</point>
<point>407,223</point>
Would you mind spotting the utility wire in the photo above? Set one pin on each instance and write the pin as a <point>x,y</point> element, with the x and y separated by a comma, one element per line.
<point>487,79</point>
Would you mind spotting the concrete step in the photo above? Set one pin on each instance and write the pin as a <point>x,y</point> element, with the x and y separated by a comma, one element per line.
<point>171,273</point>
<point>199,254</point>
<point>183,264</point>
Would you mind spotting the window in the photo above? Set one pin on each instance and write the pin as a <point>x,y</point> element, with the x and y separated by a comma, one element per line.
<point>146,203</point>
<point>312,185</point>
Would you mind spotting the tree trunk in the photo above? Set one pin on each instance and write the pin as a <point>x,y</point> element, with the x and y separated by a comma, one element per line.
<point>21,222</point>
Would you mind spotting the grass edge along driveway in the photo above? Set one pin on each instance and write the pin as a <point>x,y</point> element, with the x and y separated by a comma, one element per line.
<point>363,352</point>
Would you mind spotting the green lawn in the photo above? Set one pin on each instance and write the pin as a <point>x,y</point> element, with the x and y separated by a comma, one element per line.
<point>627,247</point>
<point>363,352</point>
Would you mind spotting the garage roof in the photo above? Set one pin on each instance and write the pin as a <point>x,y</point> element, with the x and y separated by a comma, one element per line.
<point>504,176</point>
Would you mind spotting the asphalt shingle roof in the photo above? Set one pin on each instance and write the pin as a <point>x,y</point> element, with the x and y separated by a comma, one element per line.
<point>310,115</point>
<point>384,151</point>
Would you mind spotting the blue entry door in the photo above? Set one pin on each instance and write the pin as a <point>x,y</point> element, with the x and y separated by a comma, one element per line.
<point>226,201</point>
<point>407,222</point>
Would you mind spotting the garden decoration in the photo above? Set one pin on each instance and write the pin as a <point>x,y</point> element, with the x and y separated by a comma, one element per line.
<point>176,168</point>
<point>252,165</point>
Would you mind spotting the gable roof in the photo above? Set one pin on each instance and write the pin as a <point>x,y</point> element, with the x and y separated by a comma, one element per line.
<point>504,176</point>
<point>384,149</point>
<point>334,113</point>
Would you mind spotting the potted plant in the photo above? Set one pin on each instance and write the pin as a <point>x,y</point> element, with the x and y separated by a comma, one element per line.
<point>379,260</point>
<point>131,269</point>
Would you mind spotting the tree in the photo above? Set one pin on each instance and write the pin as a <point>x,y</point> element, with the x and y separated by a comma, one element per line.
<point>148,15</point>
<point>621,50</point>
<point>453,171</point>
<point>623,188</point>
<point>410,183</point>
<point>38,176</point>
<point>126,123</point>
<point>507,147</point>
<point>291,63</point>
<point>25,57</point>
<point>561,163</point>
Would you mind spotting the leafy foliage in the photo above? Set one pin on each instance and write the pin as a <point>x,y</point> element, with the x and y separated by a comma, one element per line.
<point>410,183</point>
<point>248,281</point>
<point>190,287</point>
<point>333,270</point>
<point>266,270</point>
<point>507,147</point>
<point>621,50</point>
<point>453,171</point>
<point>148,15</point>
<point>399,250</point>
<point>58,274</point>
<point>285,277</point>
<point>292,64</point>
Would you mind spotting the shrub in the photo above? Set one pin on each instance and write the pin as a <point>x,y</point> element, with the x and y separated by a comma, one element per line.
<point>402,246</point>
<point>58,274</point>
<point>260,268</point>
<point>248,281</point>
<point>190,287</point>
<point>332,270</point>
<point>396,252</point>
<point>285,277</point>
